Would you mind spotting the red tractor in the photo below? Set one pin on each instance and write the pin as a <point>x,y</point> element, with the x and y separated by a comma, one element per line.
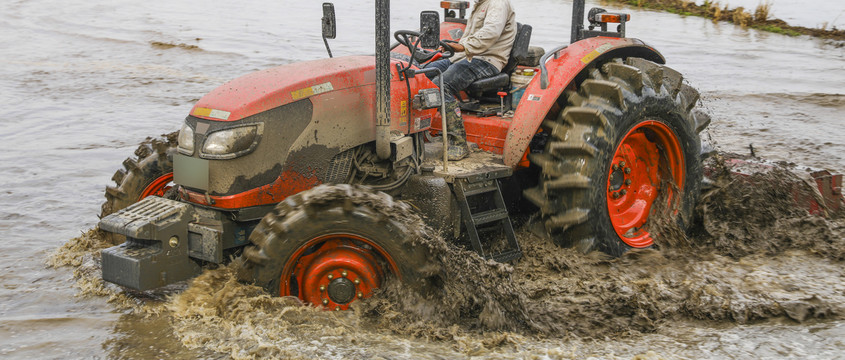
<point>280,166</point>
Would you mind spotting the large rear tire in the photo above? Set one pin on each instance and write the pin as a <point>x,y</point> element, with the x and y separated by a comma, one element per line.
<point>149,172</point>
<point>626,144</point>
<point>333,244</point>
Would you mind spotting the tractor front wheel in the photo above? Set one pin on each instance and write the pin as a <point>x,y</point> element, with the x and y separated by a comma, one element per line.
<point>149,172</point>
<point>332,245</point>
<point>626,145</point>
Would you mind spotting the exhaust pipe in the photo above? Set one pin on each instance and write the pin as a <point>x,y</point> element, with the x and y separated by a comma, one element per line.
<point>383,78</point>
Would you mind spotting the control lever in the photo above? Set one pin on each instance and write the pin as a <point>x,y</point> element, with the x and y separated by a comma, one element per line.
<point>502,95</point>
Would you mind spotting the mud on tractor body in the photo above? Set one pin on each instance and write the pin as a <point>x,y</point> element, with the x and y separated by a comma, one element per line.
<point>306,170</point>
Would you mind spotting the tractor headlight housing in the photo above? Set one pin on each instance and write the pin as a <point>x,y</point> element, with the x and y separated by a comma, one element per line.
<point>186,140</point>
<point>232,142</point>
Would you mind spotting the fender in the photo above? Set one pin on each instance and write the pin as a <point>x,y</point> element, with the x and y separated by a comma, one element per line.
<point>536,104</point>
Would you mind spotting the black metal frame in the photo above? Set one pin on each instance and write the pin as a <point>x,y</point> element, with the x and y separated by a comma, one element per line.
<point>382,21</point>
<point>449,14</point>
<point>579,32</point>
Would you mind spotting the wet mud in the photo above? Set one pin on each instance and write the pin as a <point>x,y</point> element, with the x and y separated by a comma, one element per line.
<point>766,213</point>
<point>170,45</point>
<point>752,257</point>
<point>82,253</point>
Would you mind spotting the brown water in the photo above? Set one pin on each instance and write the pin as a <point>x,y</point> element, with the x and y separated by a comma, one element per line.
<point>83,82</point>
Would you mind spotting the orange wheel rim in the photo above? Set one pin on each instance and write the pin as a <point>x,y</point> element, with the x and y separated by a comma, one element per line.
<point>334,270</point>
<point>635,178</point>
<point>158,187</point>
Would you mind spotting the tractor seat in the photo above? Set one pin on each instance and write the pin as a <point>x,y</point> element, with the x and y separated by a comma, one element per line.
<point>492,83</point>
<point>501,80</point>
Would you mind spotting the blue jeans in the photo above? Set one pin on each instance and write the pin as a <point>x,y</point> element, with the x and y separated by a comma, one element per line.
<point>458,76</point>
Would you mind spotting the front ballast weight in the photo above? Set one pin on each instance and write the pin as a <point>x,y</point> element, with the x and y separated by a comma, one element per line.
<point>166,242</point>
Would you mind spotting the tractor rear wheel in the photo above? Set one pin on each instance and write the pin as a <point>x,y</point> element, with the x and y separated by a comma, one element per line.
<point>149,172</point>
<point>334,244</point>
<point>626,145</point>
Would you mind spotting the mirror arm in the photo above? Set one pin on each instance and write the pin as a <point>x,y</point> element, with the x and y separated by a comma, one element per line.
<point>329,25</point>
<point>327,46</point>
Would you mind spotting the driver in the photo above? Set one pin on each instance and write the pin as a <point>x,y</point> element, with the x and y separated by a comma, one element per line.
<point>482,52</point>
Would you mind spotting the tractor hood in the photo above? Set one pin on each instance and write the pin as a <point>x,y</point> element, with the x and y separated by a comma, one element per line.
<point>267,89</point>
<point>309,112</point>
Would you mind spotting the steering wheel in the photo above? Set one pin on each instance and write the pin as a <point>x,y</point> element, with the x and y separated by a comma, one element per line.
<point>420,54</point>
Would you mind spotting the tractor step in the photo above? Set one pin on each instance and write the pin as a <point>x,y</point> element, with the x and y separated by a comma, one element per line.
<point>482,205</point>
<point>508,255</point>
<point>489,216</point>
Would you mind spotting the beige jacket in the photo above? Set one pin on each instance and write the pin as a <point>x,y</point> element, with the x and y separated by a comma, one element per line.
<point>489,34</point>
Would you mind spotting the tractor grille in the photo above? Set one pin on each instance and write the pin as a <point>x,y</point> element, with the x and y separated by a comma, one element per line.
<point>339,167</point>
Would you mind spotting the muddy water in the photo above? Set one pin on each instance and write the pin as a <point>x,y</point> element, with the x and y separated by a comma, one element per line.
<point>83,82</point>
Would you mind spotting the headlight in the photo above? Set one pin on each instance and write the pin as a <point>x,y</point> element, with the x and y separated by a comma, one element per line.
<point>186,140</point>
<point>230,143</point>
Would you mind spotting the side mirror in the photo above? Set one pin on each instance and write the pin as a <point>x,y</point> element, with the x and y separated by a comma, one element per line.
<point>329,27</point>
<point>429,29</point>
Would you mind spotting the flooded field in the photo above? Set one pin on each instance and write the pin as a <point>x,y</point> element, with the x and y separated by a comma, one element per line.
<point>84,82</point>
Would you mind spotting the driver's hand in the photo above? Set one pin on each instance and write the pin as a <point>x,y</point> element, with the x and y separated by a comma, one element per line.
<point>455,46</point>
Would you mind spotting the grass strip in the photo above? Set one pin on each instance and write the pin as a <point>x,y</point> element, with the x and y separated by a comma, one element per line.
<point>760,19</point>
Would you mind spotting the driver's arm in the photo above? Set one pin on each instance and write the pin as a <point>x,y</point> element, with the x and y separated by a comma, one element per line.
<point>482,39</point>
<point>457,47</point>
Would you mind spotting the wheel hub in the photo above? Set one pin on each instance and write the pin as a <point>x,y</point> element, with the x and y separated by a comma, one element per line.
<point>335,270</point>
<point>648,155</point>
<point>341,290</point>
<point>617,178</point>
